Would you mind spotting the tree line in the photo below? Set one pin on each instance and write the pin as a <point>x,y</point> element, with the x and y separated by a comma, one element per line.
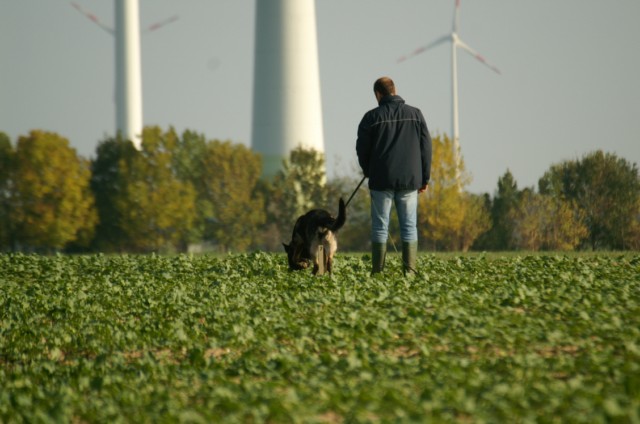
<point>182,192</point>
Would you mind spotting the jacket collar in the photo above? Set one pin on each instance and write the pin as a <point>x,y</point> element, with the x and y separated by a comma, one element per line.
<point>391,99</point>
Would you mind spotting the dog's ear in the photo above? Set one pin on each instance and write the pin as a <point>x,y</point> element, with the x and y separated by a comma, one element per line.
<point>286,247</point>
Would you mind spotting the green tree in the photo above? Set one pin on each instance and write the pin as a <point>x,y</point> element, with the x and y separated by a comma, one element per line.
<point>299,187</point>
<point>230,175</point>
<point>506,199</point>
<point>634,230</point>
<point>189,164</point>
<point>154,207</point>
<point>6,159</point>
<point>51,202</point>
<point>606,189</point>
<point>108,183</point>
<point>356,233</point>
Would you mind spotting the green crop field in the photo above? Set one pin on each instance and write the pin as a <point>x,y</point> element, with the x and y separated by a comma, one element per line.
<point>518,338</point>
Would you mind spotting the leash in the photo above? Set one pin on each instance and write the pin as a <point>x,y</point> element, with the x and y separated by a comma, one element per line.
<point>389,238</point>
<point>354,192</point>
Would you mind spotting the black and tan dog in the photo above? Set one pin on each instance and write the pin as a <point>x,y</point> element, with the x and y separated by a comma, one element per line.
<point>314,229</point>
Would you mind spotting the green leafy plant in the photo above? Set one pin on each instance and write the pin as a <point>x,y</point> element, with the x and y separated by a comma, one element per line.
<point>241,339</point>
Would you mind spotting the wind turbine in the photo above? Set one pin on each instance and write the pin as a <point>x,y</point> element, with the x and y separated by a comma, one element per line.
<point>128,68</point>
<point>287,108</point>
<point>456,43</point>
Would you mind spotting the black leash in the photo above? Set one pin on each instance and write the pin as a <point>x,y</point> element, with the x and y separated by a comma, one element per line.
<point>354,192</point>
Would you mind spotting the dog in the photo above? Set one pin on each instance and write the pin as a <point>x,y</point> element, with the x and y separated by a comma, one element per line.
<point>314,229</point>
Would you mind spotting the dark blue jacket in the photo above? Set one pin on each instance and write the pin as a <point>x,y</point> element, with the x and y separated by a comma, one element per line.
<point>394,146</point>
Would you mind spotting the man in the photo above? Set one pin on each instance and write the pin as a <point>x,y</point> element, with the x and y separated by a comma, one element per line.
<point>394,152</point>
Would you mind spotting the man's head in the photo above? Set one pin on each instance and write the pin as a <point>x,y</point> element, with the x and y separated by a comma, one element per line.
<point>384,87</point>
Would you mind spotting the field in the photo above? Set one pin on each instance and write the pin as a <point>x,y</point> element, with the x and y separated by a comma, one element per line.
<point>518,338</point>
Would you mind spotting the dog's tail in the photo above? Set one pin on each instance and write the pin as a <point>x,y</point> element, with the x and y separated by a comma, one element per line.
<point>342,217</point>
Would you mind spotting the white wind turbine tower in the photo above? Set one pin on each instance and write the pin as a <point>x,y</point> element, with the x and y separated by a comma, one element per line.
<point>456,43</point>
<point>128,68</point>
<point>287,110</point>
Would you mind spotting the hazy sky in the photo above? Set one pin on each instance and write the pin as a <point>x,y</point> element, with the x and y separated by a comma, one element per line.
<point>569,84</point>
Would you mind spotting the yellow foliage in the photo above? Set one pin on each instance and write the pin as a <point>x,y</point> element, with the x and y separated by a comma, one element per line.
<point>548,223</point>
<point>52,201</point>
<point>448,217</point>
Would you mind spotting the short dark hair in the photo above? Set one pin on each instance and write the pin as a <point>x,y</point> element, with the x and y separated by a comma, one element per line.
<point>384,86</point>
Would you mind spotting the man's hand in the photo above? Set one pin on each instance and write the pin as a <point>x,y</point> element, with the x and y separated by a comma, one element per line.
<point>423,188</point>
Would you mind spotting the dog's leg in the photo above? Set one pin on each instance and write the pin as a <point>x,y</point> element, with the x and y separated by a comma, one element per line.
<point>319,261</point>
<point>330,247</point>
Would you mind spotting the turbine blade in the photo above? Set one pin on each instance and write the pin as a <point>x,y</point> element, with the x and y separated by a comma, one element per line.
<point>160,24</point>
<point>477,55</point>
<point>93,18</point>
<point>423,49</point>
<point>456,16</point>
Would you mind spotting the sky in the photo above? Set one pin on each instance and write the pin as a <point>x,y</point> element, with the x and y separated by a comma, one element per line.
<point>569,82</point>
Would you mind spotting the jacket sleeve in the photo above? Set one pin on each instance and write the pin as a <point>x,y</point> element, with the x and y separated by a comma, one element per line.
<point>363,145</point>
<point>425,150</point>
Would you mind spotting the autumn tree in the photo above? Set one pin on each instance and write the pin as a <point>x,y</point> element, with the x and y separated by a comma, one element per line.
<point>606,189</point>
<point>563,224</point>
<point>230,174</point>
<point>525,218</point>
<point>476,221</point>
<point>51,202</point>
<point>449,218</point>
<point>440,208</point>
<point>543,222</point>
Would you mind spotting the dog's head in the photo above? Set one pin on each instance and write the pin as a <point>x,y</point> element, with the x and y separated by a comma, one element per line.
<point>294,251</point>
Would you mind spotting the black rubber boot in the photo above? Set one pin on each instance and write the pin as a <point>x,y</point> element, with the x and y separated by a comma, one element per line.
<point>409,257</point>
<point>378,254</point>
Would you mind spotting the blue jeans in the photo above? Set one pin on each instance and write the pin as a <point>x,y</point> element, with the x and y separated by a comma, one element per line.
<point>406,207</point>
